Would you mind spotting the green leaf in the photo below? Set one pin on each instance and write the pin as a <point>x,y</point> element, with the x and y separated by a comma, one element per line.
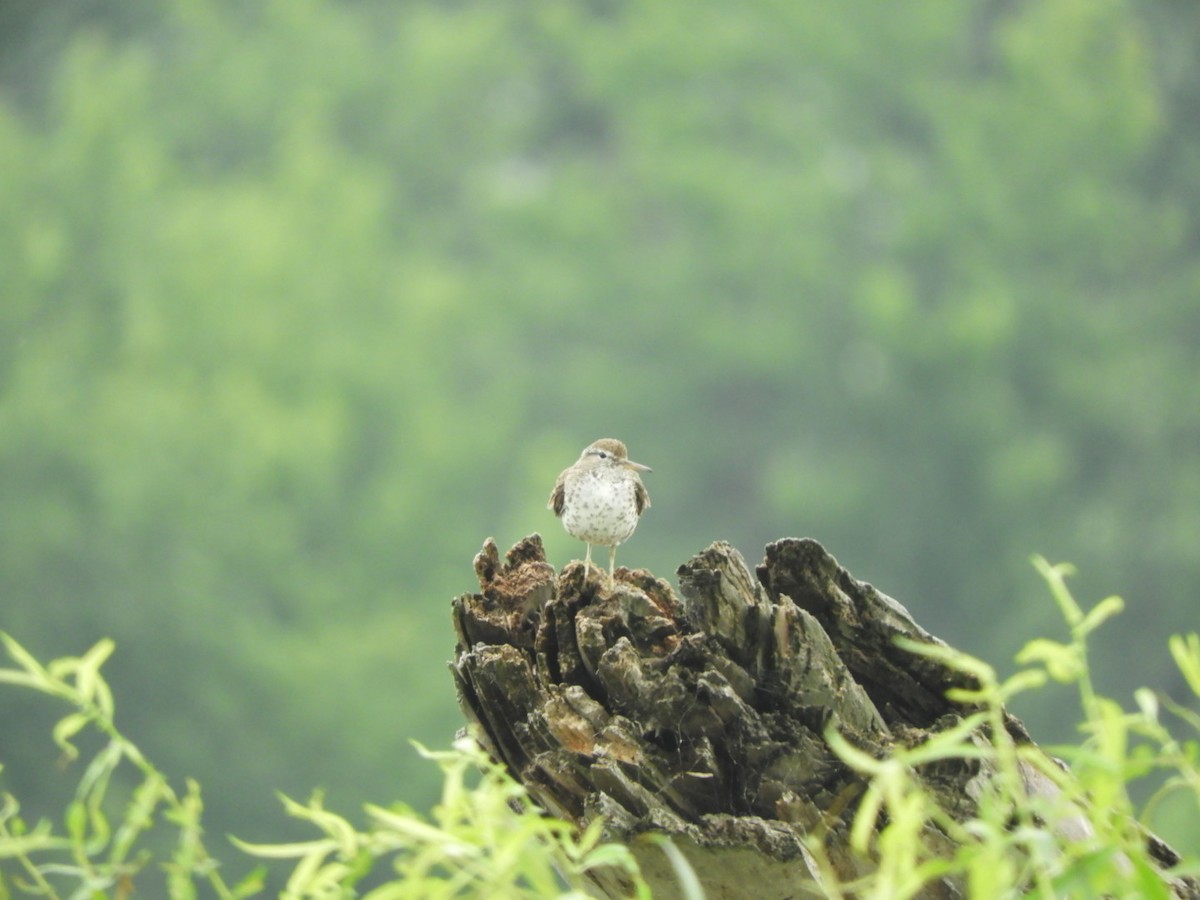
<point>67,728</point>
<point>25,660</point>
<point>37,841</point>
<point>139,814</point>
<point>851,755</point>
<point>1186,651</point>
<point>1100,613</point>
<point>1147,702</point>
<point>1062,661</point>
<point>253,883</point>
<point>950,743</point>
<point>1056,576</point>
<point>863,827</point>
<point>949,656</point>
<point>332,824</point>
<point>76,821</point>
<point>1150,884</point>
<point>293,850</point>
<point>1019,683</point>
<point>22,679</point>
<point>87,675</point>
<point>686,879</point>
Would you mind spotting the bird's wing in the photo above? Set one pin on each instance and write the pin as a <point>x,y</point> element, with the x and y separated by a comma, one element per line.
<point>641,497</point>
<point>558,495</point>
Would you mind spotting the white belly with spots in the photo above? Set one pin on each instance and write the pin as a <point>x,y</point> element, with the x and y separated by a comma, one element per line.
<point>599,510</point>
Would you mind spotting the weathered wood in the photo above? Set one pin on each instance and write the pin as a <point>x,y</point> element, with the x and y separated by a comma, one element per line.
<point>703,716</point>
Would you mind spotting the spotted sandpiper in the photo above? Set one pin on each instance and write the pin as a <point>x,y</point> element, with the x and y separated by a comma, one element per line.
<point>600,498</point>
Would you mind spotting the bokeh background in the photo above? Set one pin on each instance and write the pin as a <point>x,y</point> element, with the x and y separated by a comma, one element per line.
<point>300,301</point>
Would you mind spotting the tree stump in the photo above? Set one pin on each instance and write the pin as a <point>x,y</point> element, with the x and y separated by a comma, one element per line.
<point>703,717</point>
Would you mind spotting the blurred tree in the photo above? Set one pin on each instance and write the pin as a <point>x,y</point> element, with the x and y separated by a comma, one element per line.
<point>304,299</point>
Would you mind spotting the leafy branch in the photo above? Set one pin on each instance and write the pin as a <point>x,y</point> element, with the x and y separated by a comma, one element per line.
<point>97,855</point>
<point>485,839</point>
<point>1081,838</point>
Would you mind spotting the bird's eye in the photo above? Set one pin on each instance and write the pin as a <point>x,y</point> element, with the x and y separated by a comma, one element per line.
<point>603,455</point>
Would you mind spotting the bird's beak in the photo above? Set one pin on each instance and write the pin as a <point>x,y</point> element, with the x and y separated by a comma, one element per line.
<point>637,467</point>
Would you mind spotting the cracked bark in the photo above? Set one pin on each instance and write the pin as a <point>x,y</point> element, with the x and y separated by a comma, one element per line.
<point>703,715</point>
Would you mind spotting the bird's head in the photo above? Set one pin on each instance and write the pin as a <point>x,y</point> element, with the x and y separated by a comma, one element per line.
<point>610,452</point>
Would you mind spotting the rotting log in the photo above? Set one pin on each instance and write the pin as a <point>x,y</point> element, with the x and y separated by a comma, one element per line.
<point>703,716</point>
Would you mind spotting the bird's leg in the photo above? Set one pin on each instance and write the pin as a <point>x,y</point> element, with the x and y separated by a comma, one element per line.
<point>587,562</point>
<point>612,560</point>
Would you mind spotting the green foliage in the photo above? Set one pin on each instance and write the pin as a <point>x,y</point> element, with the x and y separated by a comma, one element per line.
<point>1078,835</point>
<point>99,853</point>
<point>302,299</point>
<point>487,839</point>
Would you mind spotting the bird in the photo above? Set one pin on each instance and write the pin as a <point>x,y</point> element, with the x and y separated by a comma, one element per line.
<point>600,498</point>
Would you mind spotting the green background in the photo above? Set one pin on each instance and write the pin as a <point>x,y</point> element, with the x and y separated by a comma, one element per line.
<point>300,301</point>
